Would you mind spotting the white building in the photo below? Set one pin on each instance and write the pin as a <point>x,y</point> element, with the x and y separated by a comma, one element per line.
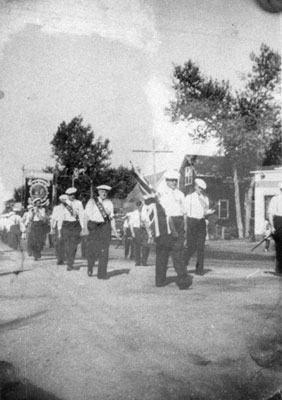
<point>266,186</point>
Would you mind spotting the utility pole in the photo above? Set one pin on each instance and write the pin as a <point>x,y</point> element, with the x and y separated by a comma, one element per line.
<point>154,152</point>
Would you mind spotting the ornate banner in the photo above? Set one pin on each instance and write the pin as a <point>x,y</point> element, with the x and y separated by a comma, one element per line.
<point>38,185</point>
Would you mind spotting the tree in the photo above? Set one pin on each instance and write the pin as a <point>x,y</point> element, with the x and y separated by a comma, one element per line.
<point>77,152</point>
<point>121,180</point>
<point>246,123</point>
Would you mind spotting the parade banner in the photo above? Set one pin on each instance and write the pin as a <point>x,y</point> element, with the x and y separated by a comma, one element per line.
<point>38,184</point>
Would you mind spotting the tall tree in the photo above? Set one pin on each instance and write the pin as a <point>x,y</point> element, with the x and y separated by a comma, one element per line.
<point>76,150</point>
<point>243,122</point>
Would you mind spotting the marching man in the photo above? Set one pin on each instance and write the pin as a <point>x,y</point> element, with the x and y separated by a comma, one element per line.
<point>70,225</point>
<point>99,223</point>
<point>197,210</point>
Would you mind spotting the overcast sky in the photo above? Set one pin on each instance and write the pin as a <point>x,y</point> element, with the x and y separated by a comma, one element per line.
<point>111,61</point>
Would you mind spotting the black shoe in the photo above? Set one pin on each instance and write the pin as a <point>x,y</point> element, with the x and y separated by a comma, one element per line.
<point>102,277</point>
<point>60,262</point>
<point>69,268</point>
<point>201,273</point>
<point>89,270</point>
<point>161,284</point>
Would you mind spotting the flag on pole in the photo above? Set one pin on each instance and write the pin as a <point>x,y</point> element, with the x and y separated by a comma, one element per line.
<point>158,219</point>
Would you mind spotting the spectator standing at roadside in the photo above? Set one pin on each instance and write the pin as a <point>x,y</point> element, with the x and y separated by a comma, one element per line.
<point>275,219</point>
<point>267,232</point>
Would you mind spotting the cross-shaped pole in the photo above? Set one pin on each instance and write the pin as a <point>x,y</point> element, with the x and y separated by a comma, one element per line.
<point>153,151</point>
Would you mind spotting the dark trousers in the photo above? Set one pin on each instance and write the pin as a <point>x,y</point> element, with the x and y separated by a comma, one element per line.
<point>196,236</point>
<point>98,246</point>
<point>128,245</point>
<point>59,248</point>
<point>71,236</point>
<point>168,245</point>
<point>37,238</point>
<point>277,222</point>
<point>14,237</point>
<point>141,246</point>
<point>28,241</point>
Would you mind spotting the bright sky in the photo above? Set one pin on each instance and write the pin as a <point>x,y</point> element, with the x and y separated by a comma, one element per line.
<point>112,61</point>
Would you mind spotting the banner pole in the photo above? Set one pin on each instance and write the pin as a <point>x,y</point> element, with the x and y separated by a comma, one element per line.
<point>23,187</point>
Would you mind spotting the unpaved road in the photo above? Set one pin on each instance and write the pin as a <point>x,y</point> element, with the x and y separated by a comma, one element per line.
<point>81,338</point>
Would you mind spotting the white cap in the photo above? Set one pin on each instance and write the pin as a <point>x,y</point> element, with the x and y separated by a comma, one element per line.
<point>29,206</point>
<point>280,185</point>
<point>63,197</point>
<point>104,187</point>
<point>172,174</point>
<point>202,184</point>
<point>71,190</point>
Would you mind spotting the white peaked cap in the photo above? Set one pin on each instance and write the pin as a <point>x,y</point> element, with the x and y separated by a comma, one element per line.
<point>71,190</point>
<point>172,174</point>
<point>104,187</point>
<point>63,197</point>
<point>202,184</point>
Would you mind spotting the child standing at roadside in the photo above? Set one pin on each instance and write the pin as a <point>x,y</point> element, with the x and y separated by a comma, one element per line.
<point>267,232</point>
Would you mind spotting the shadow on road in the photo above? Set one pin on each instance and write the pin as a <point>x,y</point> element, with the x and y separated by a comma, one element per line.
<point>116,272</point>
<point>18,322</point>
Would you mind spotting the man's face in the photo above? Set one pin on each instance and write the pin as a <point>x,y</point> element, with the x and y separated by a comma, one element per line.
<point>71,197</point>
<point>103,194</point>
<point>198,189</point>
<point>171,183</point>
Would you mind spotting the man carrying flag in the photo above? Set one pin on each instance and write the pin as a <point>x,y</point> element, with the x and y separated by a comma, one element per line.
<point>166,213</point>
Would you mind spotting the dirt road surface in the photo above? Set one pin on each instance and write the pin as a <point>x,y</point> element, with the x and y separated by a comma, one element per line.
<point>81,338</point>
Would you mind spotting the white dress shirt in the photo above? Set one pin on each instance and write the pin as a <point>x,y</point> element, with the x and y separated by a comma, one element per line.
<point>172,201</point>
<point>93,213</point>
<point>57,215</point>
<point>67,216</point>
<point>38,215</point>
<point>139,219</point>
<point>15,219</point>
<point>196,205</point>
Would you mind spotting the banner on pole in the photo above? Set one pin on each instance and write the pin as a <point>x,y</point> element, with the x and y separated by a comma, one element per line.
<point>38,184</point>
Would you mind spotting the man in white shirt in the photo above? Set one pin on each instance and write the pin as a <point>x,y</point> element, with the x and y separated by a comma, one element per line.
<point>16,228</point>
<point>128,242</point>
<point>27,223</point>
<point>37,219</point>
<point>172,243</point>
<point>98,224</point>
<point>139,226</point>
<point>56,216</point>
<point>196,210</point>
<point>275,219</point>
<point>70,225</point>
